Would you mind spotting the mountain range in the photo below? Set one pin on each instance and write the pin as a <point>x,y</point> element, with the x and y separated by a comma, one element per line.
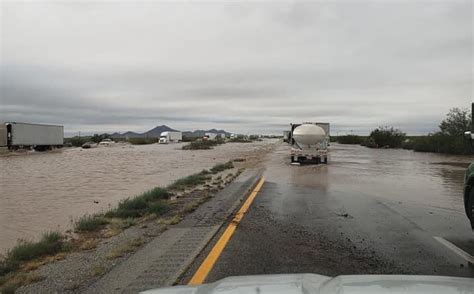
<point>156,132</point>
<point>153,133</point>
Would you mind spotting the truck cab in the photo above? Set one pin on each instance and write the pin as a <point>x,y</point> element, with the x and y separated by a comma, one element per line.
<point>164,138</point>
<point>469,180</point>
<point>469,193</point>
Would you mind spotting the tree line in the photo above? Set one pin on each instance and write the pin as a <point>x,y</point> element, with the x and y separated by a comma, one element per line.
<point>449,139</point>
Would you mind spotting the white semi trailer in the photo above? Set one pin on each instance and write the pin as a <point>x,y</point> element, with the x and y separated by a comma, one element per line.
<point>309,142</point>
<point>16,135</point>
<point>168,137</point>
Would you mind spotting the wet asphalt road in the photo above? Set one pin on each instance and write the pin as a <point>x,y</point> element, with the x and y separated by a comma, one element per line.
<point>367,212</point>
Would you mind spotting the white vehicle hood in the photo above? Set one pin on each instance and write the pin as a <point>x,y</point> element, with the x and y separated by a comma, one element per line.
<point>317,284</point>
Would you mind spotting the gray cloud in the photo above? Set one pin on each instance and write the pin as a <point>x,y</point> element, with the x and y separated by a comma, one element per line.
<point>246,67</point>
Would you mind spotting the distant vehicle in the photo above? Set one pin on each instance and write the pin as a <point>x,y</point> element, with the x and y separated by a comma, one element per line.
<point>314,284</point>
<point>16,135</point>
<point>286,136</point>
<point>170,136</point>
<point>210,136</point>
<point>106,143</point>
<point>89,145</point>
<point>309,142</point>
<point>469,180</point>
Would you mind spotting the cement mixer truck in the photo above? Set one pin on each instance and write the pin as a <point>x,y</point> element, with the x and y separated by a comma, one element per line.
<point>309,142</point>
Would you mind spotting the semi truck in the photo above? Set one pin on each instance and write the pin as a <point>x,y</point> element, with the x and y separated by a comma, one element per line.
<point>309,142</point>
<point>170,136</point>
<point>17,135</point>
<point>210,136</point>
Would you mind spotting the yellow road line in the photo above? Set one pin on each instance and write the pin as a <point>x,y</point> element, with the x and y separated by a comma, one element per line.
<point>216,251</point>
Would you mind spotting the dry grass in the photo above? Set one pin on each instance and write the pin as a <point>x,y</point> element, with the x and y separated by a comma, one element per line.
<point>89,244</point>
<point>128,247</point>
<point>35,264</point>
<point>191,206</point>
<point>11,282</point>
<point>116,226</point>
<point>98,271</point>
<point>170,221</point>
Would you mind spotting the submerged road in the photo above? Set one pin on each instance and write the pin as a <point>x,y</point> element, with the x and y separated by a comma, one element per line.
<point>367,212</point>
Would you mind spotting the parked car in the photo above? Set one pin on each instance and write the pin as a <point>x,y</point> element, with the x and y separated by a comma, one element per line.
<point>106,142</point>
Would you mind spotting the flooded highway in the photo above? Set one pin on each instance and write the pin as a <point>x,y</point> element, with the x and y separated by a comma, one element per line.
<point>48,191</point>
<point>369,211</point>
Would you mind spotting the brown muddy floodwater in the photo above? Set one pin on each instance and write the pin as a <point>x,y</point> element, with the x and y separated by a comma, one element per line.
<point>428,179</point>
<point>48,191</point>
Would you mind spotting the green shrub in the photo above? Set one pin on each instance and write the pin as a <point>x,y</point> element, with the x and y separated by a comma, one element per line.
<point>202,144</point>
<point>130,207</point>
<point>189,139</point>
<point>442,143</point>
<point>142,141</point>
<point>350,139</point>
<point>221,167</point>
<point>159,208</point>
<point>50,243</point>
<point>189,181</point>
<point>240,139</point>
<point>385,137</point>
<point>7,266</point>
<point>90,223</point>
<point>156,194</point>
<point>255,138</point>
<point>408,144</point>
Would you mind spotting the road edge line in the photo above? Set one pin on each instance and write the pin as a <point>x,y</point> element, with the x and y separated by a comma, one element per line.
<point>206,266</point>
<point>466,256</point>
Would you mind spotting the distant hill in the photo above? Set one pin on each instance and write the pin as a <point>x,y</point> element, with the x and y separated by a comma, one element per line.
<point>156,132</point>
<point>201,133</point>
<point>153,133</point>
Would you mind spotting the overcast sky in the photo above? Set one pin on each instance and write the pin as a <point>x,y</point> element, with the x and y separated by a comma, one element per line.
<point>240,66</point>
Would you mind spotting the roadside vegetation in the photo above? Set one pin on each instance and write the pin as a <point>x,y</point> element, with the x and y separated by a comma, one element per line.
<point>195,143</point>
<point>449,139</point>
<point>243,139</point>
<point>78,141</point>
<point>385,137</point>
<point>14,269</point>
<point>200,144</point>
<point>222,167</point>
<point>349,139</point>
<point>142,141</point>
<point>89,223</point>
<point>49,244</point>
<point>203,144</point>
